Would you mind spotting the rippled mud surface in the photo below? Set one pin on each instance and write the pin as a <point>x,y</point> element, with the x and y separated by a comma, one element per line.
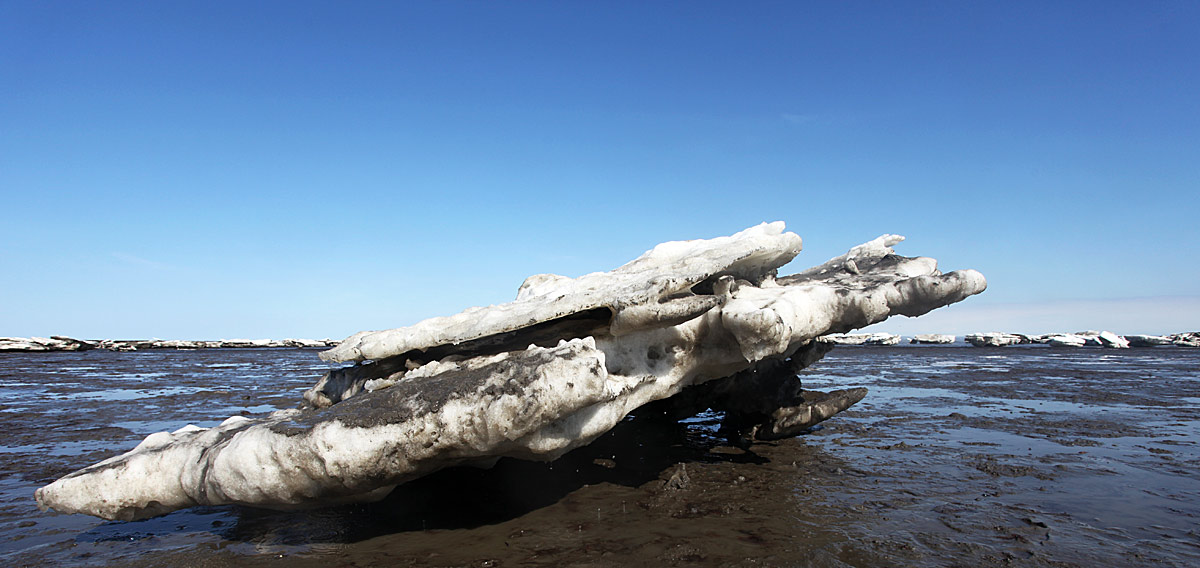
<point>959,456</point>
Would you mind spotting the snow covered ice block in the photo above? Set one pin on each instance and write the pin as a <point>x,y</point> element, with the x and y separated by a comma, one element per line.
<point>688,325</point>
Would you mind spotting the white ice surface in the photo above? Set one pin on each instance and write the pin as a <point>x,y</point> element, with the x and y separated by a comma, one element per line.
<point>535,403</point>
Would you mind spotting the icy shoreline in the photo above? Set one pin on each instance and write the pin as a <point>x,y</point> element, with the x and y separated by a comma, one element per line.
<point>989,339</point>
<point>64,343</point>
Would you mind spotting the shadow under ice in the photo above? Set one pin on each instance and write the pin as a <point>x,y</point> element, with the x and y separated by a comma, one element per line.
<point>637,451</point>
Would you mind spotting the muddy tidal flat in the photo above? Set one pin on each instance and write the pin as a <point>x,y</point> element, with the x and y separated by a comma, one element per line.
<point>959,456</point>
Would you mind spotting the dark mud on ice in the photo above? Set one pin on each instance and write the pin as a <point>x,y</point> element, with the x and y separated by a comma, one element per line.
<point>958,456</point>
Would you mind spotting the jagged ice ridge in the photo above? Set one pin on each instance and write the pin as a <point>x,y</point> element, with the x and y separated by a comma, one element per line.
<point>686,326</point>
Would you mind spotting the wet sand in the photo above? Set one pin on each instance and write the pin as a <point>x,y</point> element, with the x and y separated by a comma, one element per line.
<point>960,456</point>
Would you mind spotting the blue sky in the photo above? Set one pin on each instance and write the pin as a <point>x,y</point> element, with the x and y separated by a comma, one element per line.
<point>295,169</point>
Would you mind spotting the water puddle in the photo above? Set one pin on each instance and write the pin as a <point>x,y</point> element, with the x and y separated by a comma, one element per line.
<point>126,394</point>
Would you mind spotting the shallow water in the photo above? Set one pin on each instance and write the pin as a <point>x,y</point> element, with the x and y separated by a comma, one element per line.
<point>958,456</point>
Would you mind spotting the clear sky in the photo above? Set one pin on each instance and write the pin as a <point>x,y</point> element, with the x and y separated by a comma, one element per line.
<point>297,169</point>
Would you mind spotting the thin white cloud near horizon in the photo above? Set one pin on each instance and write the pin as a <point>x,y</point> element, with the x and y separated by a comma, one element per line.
<point>1151,315</point>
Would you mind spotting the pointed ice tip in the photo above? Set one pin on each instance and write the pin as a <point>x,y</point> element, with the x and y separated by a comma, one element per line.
<point>973,280</point>
<point>774,227</point>
<point>771,229</point>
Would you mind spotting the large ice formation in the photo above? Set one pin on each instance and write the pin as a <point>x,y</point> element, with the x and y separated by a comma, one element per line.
<point>687,326</point>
